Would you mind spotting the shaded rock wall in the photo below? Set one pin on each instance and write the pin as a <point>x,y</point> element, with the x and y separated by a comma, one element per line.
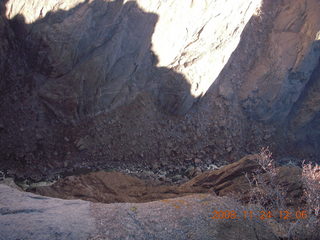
<point>136,82</point>
<point>98,55</point>
<point>281,71</point>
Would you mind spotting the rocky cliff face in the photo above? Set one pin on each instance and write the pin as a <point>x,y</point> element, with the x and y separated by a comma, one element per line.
<point>136,82</point>
<point>95,56</point>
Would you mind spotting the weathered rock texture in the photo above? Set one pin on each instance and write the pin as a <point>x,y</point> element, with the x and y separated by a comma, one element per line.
<point>111,187</point>
<point>233,180</point>
<point>101,54</point>
<point>131,82</point>
<point>28,216</point>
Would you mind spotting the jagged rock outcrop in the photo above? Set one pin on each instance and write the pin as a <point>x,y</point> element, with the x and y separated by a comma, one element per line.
<point>114,83</point>
<point>28,216</point>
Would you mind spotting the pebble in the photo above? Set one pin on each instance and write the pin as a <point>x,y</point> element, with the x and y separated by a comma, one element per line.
<point>193,172</point>
<point>155,166</point>
<point>197,161</point>
<point>212,167</point>
<point>185,179</point>
<point>148,173</point>
<point>176,178</point>
<point>197,172</point>
<point>161,172</point>
<point>189,171</point>
<point>162,177</point>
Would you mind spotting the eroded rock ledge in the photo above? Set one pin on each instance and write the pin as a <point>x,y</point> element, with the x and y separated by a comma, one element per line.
<point>140,210</point>
<point>28,216</point>
<point>112,187</point>
<point>121,206</point>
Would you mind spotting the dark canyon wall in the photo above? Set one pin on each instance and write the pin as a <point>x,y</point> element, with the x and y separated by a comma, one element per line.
<point>143,82</point>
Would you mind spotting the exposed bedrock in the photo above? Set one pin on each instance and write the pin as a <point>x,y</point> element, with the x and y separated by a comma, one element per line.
<point>113,83</point>
<point>28,216</point>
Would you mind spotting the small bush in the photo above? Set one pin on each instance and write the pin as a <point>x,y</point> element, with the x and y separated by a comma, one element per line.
<point>264,187</point>
<point>311,182</point>
<point>266,191</point>
<point>309,229</point>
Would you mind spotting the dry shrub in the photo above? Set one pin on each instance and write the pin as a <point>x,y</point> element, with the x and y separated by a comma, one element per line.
<point>311,182</point>
<point>310,228</point>
<point>265,189</point>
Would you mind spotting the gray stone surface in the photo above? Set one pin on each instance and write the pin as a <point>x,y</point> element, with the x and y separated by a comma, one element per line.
<point>28,216</point>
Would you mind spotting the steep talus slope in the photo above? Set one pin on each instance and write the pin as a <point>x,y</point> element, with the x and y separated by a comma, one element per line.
<point>114,83</point>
